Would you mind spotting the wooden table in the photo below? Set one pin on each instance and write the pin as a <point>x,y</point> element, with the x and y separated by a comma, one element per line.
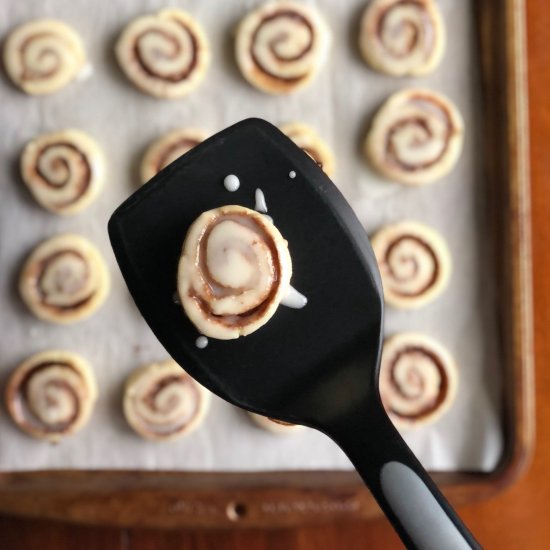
<point>516,519</point>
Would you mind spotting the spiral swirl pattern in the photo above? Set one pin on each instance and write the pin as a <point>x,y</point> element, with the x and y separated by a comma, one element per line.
<point>281,46</point>
<point>165,55</point>
<point>416,137</point>
<point>43,56</point>
<point>167,149</point>
<point>162,402</point>
<point>234,271</point>
<point>64,170</point>
<point>418,379</point>
<point>402,37</point>
<point>64,279</point>
<point>414,263</point>
<point>51,395</point>
<point>308,140</point>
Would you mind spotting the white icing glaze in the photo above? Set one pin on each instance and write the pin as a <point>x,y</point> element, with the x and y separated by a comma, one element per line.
<point>231,182</point>
<point>261,205</point>
<point>294,299</point>
<point>292,174</point>
<point>201,342</point>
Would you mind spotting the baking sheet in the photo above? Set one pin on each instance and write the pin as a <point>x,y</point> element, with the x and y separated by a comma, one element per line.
<point>339,105</point>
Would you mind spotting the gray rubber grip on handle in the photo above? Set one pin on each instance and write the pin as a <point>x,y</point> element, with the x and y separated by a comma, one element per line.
<point>420,514</point>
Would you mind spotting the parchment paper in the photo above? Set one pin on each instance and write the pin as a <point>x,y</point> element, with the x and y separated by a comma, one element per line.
<point>338,104</point>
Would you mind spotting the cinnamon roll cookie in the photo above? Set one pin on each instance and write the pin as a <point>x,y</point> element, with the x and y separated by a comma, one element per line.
<point>167,149</point>
<point>307,139</point>
<point>281,46</point>
<point>162,402</point>
<point>414,262</point>
<point>234,270</point>
<point>275,426</point>
<point>418,379</point>
<point>416,137</point>
<point>402,37</point>
<point>43,56</point>
<point>64,170</point>
<point>64,279</point>
<point>51,395</point>
<point>165,55</point>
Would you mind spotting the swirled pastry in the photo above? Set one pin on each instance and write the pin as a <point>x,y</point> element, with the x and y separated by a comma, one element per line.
<point>307,139</point>
<point>64,279</point>
<point>52,394</point>
<point>415,138</point>
<point>165,55</point>
<point>43,56</point>
<point>167,149</point>
<point>414,262</point>
<point>64,170</point>
<point>275,426</point>
<point>402,37</point>
<point>162,402</point>
<point>418,379</point>
<point>234,271</point>
<point>281,46</point>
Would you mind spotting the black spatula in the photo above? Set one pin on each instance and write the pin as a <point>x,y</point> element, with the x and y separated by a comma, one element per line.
<point>316,366</point>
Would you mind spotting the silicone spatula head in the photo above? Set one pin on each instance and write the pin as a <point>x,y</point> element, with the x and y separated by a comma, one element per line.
<point>317,365</point>
<point>304,365</point>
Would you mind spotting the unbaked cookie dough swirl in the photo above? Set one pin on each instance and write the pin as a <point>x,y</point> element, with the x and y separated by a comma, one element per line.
<point>281,46</point>
<point>416,137</point>
<point>234,271</point>
<point>414,262</point>
<point>418,379</point>
<point>51,395</point>
<point>162,402</point>
<point>64,279</point>
<point>167,149</point>
<point>307,139</point>
<point>43,56</point>
<point>64,170</point>
<point>402,37</point>
<point>165,55</point>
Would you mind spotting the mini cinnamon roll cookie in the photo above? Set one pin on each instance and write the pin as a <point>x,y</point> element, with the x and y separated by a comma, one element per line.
<point>64,279</point>
<point>234,270</point>
<point>165,55</point>
<point>307,139</point>
<point>275,426</point>
<point>418,379</point>
<point>167,149</point>
<point>64,170</point>
<point>416,137</point>
<point>402,37</point>
<point>281,46</point>
<point>162,402</point>
<point>43,56</point>
<point>414,262</point>
<point>51,395</point>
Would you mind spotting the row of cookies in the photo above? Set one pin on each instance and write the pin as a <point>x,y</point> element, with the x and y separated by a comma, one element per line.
<point>279,47</point>
<point>52,394</point>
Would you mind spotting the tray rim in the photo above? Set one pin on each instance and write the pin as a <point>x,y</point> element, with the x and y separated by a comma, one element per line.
<point>176,499</point>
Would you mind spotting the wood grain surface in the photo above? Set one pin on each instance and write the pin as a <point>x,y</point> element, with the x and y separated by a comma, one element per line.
<point>515,519</point>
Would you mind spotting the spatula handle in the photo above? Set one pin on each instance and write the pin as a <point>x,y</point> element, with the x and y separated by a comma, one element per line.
<point>419,512</point>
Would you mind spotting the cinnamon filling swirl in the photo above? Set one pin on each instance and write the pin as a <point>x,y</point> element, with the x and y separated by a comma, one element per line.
<point>414,263</point>
<point>281,46</point>
<point>43,56</point>
<point>162,402</point>
<point>64,279</point>
<point>418,379</point>
<point>51,395</point>
<point>234,271</point>
<point>415,138</point>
